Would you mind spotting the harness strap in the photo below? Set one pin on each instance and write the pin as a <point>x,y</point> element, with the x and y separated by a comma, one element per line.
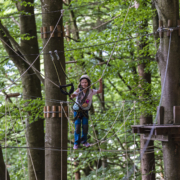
<point>79,113</point>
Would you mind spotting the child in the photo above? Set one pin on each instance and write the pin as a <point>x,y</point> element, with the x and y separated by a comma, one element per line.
<point>83,98</point>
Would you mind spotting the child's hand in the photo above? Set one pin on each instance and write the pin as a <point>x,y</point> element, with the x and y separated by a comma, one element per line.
<point>100,80</point>
<point>73,96</point>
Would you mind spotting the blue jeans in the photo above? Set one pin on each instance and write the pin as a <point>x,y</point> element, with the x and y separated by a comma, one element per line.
<point>77,133</point>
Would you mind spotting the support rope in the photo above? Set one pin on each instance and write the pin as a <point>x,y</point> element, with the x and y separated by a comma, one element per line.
<point>5,140</point>
<point>125,138</point>
<point>27,143</point>
<point>31,65</point>
<point>113,48</point>
<point>134,139</point>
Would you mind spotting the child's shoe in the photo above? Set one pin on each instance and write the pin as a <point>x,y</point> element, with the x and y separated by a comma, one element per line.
<point>75,146</point>
<point>86,144</point>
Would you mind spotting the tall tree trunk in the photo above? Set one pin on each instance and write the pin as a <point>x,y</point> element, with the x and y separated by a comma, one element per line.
<point>30,83</point>
<point>31,90</point>
<point>55,162</point>
<point>147,160</point>
<point>3,167</point>
<point>171,97</point>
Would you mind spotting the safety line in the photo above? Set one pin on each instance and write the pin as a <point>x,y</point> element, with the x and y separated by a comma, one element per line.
<point>61,139</point>
<point>62,11</point>
<point>125,139</point>
<point>95,45</point>
<point>157,114</point>
<point>112,50</point>
<point>36,14</point>
<point>27,144</point>
<point>102,141</point>
<point>5,141</point>
<point>134,139</point>
<point>69,132</point>
<point>59,149</point>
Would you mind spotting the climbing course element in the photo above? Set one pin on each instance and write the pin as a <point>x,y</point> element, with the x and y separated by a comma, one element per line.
<point>51,31</point>
<point>62,87</point>
<point>54,111</point>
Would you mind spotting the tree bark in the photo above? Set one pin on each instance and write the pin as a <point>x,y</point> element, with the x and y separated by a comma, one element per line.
<point>55,161</point>
<point>3,167</point>
<point>31,90</point>
<point>147,160</point>
<point>170,94</point>
<point>30,83</point>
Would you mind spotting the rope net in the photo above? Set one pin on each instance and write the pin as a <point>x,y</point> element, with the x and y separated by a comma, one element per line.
<point>109,134</point>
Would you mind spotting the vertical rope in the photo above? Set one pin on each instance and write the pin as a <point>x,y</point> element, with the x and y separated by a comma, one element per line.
<point>68,118</point>
<point>125,137</point>
<point>100,153</point>
<point>134,138</point>
<point>16,140</point>
<point>27,143</point>
<point>73,58</point>
<point>114,121</point>
<point>70,138</point>
<point>5,140</point>
<point>61,138</point>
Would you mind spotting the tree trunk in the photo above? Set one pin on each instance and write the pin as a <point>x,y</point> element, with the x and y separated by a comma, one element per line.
<point>170,94</point>
<point>3,175</point>
<point>31,90</point>
<point>55,161</point>
<point>147,160</point>
<point>30,83</point>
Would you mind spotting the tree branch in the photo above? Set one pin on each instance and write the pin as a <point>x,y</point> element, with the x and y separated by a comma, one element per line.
<point>16,45</point>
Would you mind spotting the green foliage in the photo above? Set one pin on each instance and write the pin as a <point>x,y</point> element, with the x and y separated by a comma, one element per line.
<point>98,36</point>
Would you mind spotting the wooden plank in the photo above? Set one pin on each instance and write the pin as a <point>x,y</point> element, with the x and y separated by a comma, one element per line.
<point>51,30</point>
<point>54,113</point>
<point>45,110</point>
<point>160,118</point>
<point>59,109</point>
<point>13,95</point>
<point>48,109</point>
<point>156,137</point>
<point>59,31</point>
<point>45,32</point>
<point>169,25</point>
<point>176,114</point>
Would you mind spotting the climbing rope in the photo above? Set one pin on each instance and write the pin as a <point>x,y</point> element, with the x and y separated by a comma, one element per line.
<point>113,48</point>
<point>27,143</point>
<point>5,140</point>
<point>134,139</point>
<point>31,65</point>
<point>125,138</point>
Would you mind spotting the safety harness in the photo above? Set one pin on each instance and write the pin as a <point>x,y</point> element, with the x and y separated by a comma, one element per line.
<point>80,111</point>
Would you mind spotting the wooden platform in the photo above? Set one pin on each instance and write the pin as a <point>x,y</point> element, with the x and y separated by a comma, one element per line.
<point>160,132</point>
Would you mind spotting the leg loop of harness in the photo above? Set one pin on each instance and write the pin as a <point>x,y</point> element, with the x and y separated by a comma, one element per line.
<point>80,114</point>
<point>85,128</point>
<point>78,128</point>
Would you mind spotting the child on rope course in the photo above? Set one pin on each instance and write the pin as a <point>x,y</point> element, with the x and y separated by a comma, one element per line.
<point>83,98</point>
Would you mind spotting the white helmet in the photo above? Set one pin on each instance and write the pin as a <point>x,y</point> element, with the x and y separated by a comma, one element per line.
<point>85,77</point>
